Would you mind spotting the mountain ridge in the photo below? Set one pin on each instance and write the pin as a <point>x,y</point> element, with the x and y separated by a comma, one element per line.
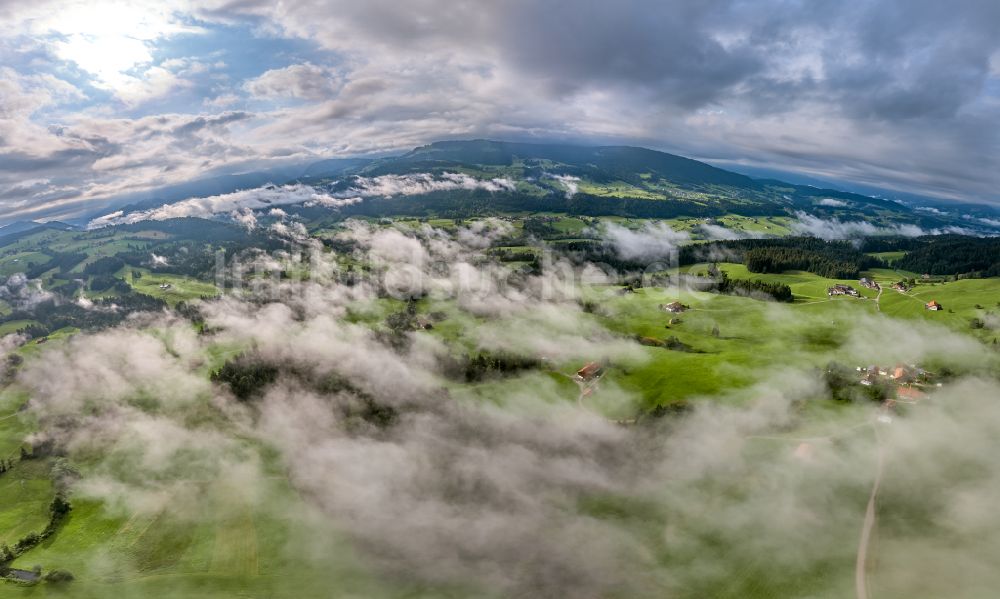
<point>618,180</point>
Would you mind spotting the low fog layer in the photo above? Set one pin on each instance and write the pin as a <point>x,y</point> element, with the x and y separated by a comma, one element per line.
<point>834,228</point>
<point>241,202</point>
<point>534,495</point>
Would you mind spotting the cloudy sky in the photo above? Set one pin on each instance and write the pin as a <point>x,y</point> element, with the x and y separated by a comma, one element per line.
<point>102,99</point>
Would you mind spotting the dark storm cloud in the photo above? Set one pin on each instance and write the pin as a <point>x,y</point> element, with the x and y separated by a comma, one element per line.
<point>910,78</point>
<point>893,59</point>
<point>918,59</point>
<point>666,46</point>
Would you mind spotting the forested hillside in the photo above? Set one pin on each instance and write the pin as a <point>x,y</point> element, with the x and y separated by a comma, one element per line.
<point>954,255</point>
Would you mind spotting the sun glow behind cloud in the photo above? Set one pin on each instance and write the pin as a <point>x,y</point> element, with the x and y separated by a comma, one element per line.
<point>114,43</point>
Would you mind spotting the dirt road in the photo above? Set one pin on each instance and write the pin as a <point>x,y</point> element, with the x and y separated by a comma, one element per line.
<point>861,564</point>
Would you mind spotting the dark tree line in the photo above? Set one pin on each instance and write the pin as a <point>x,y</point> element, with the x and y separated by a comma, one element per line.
<point>58,510</point>
<point>776,260</point>
<point>718,281</point>
<point>597,251</point>
<point>246,375</point>
<point>778,291</point>
<point>56,314</point>
<point>64,262</point>
<point>104,266</point>
<point>485,365</point>
<point>831,259</point>
<point>892,244</point>
<point>512,255</point>
<point>954,255</point>
<point>465,204</point>
<point>105,282</point>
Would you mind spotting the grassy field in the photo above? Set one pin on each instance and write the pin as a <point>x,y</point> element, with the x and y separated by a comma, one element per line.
<point>962,301</point>
<point>12,326</point>
<point>180,288</point>
<point>230,546</point>
<point>19,261</point>
<point>14,424</point>
<point>806,286</point>
<point>26,490</point>
<point>751,335</point>
<point>739,226</point>
<point>617,189</point>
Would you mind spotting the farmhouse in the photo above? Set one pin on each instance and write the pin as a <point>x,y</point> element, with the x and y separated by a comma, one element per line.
<point>902,374</point>
<point>910,394</point>
<point>839,289</point>
<point>933,305</point>
<point>804,451</point>
<point>590,371</point>
<point>866,282</point>
<point>871,375</point>
<point>674,307</point>
<point>900,286</point>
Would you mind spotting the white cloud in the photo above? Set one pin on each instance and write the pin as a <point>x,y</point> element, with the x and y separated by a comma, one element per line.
<point>571,183</point>
<point>222,101</point>
<point>245,217</point>
<point>154,82</point>
<point>237,203</point>
<point>991,222</point>
<point>718,232</point>
<point>833,203</point>
<point>21,292</point>
<point>652,241</point>
<point>419,183</point>
<point>831,229</point>
<point>305,81</point>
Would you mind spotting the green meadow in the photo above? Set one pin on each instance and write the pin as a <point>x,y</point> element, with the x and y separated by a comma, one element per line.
<point>177,288</point>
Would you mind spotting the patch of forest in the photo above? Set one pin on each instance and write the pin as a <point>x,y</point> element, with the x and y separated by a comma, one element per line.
<point>55,314</point>
<point>831,259</point>
<point>954,255</point>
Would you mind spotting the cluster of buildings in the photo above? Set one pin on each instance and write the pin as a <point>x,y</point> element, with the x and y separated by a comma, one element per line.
<point>907,378</point>
<point>839,289</point>
<point>590,371</point>
<point>870,284</point>
<point>674,307</point>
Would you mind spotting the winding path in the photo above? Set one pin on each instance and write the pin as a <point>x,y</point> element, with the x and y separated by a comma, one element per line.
<point>861,564</point>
